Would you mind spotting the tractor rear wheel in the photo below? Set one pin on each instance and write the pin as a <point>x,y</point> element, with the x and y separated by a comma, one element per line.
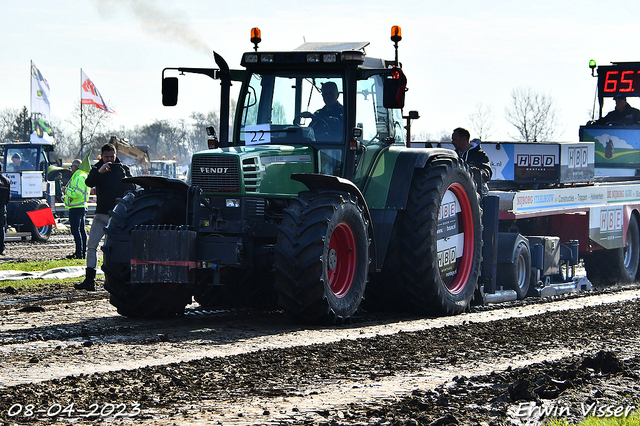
<point>143,300</point>
<point>442,238</point>
<point>322,257</point>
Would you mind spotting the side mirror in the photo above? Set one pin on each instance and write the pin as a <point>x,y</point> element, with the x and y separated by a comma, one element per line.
<point>393,92</point>
<point>170,91</point>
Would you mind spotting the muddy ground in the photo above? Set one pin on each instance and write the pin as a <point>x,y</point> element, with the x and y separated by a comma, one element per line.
<point>68,357</point>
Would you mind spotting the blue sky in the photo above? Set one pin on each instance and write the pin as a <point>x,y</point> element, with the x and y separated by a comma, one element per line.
<point>456,54</point>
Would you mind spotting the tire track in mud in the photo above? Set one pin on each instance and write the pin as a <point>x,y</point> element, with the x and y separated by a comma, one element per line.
<point>257,365</point>
<point>101,340</point>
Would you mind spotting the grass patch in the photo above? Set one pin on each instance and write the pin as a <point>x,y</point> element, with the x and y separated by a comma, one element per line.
<point>33,285</point>
<point>41,265</point>
<point>36,284</point>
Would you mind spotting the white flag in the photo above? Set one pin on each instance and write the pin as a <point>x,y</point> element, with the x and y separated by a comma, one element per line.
<point>39,92</point>
<point>91,96</point>
<point>40,107</point>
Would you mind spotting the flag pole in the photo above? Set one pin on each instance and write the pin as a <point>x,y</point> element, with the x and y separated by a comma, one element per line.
<point>30,97</point>
<point>81,144</point>
<point>30,86</point>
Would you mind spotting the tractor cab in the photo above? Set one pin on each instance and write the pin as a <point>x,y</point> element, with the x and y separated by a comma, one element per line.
<point>25,159</point>
<point>328,96</point>
<point>26,165</point>
<point>328,102</point>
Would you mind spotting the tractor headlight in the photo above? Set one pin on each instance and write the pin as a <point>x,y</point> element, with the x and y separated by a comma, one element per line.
<point>233,202</point>
<point>330,57</point>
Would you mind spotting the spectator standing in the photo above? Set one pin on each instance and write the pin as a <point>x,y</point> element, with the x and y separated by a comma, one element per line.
<point>106,177</point>
<point>59,188</point>
<point>75,200</point>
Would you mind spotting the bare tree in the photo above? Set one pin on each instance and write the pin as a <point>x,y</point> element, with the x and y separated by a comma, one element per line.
<point>444,135</point>
<point>94,126</point>
<point>200,123</point>
<point>421,137</point>
<point>16,124</point>
<point>533,115</point>
<point>482,121</point>
<point>8,117</point>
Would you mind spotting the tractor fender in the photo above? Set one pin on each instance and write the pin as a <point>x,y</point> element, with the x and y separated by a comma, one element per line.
<point>176,185</point>
<point>315,181</point>
<point>408,160</point>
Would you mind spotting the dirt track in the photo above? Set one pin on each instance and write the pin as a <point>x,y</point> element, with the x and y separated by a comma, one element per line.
<point>485,367</point>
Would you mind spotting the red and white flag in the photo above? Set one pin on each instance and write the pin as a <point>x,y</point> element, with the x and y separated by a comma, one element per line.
<point>91,96</point>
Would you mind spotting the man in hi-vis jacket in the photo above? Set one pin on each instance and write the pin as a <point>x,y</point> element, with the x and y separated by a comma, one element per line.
<point>75,200</point>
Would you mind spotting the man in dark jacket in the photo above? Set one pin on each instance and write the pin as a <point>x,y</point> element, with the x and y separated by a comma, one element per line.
<point>474,156</point>
<point>623,114</point>
<point>106,176</point>
<point>5,193</point>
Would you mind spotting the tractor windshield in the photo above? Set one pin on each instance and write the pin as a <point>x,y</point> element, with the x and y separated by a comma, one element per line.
<point>21,158</point>
<point>286,108</point>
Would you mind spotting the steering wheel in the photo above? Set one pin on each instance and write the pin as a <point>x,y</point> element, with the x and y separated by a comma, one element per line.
<point>320,125</point>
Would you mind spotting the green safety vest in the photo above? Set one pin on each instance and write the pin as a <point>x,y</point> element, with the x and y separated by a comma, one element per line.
<point>77,192</point>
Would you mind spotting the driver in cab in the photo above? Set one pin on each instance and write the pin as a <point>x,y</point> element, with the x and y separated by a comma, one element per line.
<point>19,164</point>
<point>623,114</point>
<point>328,121</point>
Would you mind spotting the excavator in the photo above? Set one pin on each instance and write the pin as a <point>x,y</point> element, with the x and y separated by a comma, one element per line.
<point>137,158</point>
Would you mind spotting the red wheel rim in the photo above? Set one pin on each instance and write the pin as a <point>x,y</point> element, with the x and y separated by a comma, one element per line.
<point>466,226</point>
<point>341,260</point>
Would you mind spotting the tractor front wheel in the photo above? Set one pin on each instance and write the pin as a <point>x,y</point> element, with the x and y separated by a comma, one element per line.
<point>143,300</point>
<point>322,257</point>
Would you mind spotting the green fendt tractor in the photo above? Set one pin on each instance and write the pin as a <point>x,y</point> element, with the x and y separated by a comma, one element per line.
<point>314,210</point>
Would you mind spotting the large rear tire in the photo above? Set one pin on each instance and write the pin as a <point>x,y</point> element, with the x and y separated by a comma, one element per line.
<point>616,266</point>
<point>143,300</point>
<point>442,238</point>
<point>322,257</point>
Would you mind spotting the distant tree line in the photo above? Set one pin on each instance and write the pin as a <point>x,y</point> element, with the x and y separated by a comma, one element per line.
<point>532,115</point>
<point>168,138</point>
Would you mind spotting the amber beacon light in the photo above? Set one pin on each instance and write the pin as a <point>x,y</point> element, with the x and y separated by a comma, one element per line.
<point>256,37</point>
<point>396,33</point>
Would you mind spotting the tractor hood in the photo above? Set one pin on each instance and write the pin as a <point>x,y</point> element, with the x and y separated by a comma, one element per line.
<point>246,170</point>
